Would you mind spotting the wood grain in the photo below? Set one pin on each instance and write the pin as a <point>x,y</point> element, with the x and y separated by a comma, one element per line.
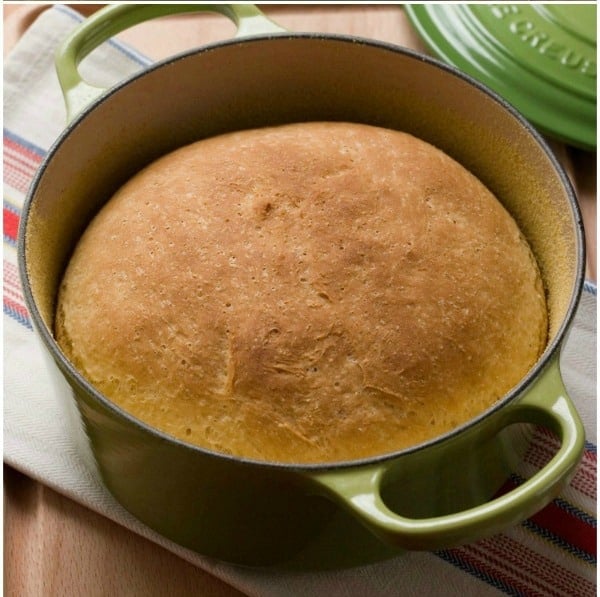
<point>53,546</point>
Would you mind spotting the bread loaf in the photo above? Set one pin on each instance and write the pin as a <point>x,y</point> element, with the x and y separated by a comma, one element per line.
<point>307,293</point>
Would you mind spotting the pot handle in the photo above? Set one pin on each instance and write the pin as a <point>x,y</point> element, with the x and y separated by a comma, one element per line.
<point>547,404</point>
<point>109,21</point>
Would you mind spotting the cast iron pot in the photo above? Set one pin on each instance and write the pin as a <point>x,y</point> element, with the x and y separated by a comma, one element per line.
<point>434,495</point>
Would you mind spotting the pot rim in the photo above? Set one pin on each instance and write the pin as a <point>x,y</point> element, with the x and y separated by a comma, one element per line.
<point>533,374</point>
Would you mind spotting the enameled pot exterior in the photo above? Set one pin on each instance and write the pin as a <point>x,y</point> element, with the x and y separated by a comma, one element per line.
<point>428,497</point>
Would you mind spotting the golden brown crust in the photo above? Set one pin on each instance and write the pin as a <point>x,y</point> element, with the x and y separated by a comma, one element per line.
<point>305,293</point>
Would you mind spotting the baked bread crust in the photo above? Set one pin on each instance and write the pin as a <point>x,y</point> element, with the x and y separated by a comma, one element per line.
<point>314,292</point>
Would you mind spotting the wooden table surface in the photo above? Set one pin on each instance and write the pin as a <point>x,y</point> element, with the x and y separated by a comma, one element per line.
<point>53,546</point>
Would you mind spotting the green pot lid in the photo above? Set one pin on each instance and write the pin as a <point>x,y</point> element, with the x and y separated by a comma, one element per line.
<point>540,57</point>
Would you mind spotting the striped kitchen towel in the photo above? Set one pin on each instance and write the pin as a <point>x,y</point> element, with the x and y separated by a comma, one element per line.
<point>551,554</point>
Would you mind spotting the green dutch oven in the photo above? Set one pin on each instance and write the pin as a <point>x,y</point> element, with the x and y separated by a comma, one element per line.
<point>435,495</point>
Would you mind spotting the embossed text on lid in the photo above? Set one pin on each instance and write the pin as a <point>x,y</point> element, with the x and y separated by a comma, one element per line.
<point>541,58</point>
